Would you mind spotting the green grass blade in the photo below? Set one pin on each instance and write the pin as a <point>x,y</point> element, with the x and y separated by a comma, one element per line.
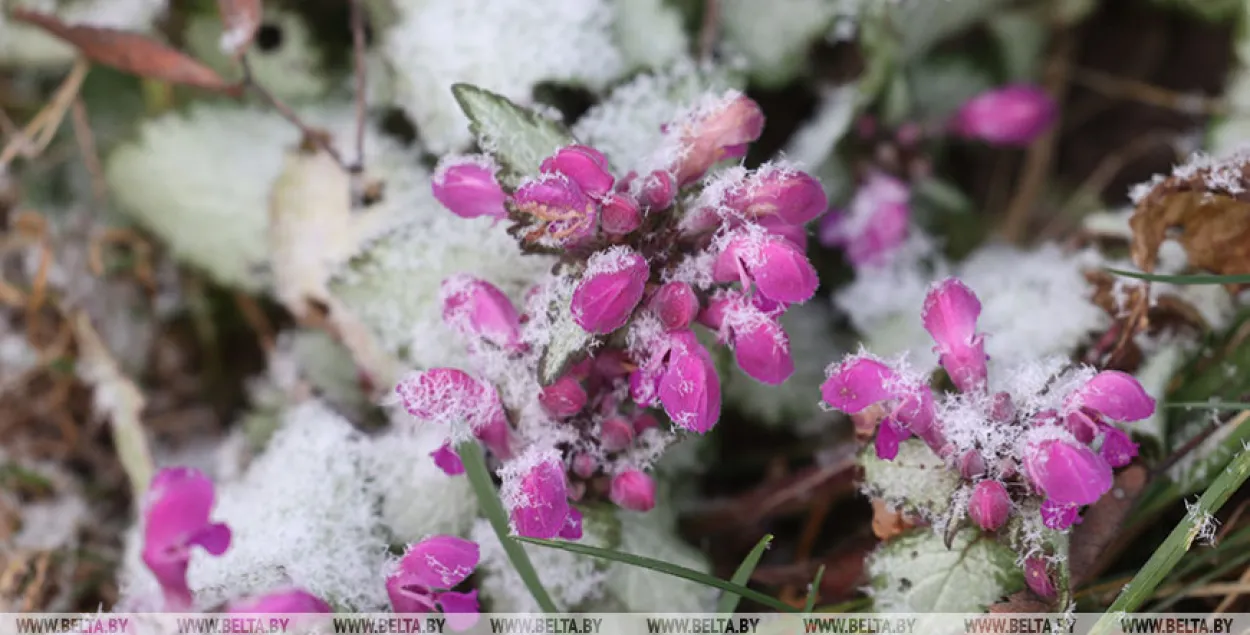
<point>666,568</point>
<point>488,498</point>
<point>742,576</point>
<point>1197,278</point>
<point>814,590</point>
<point>1209,405</point>
<point>1173,549</point>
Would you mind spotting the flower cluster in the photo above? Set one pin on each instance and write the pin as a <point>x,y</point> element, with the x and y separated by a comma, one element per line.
<point>643,260</point>
<point>1048,435</point>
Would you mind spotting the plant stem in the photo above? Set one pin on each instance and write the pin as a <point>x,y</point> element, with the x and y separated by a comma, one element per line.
<point>488,498</point>
<point>1177,544</point>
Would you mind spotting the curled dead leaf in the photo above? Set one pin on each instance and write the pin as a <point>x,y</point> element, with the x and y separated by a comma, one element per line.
<point>241,21</point>
<point>1207,207</point>
<point>888,523</point>
<point>130,52</point>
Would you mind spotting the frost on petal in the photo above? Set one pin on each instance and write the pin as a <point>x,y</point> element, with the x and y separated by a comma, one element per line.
<point>1067,472</point>
<point>776,266</point>
<point>875,226</point>
<point>585,166</point>
<point>572,529</point>
<point>760,345</point>
<point>857,383</point>
<point>989,505</point>
<point>950,315</point>
<point>536,493</point>
<point>477,308</point>
<point>566,214</point>
<point>466,185</point>
<point>689,390</point>
<point>1117,447</point>
<point>676,304</point>
<point>176,517</point>
<point>450,397</point>
<point>1116,395</point>
<point>609,290</point>
<point>288,601</point>
<point>447,460</point>
<point>438,562</point>
<point>778,191</point>
<point>564,398</point>
<point>716,132</point>
<point>1059,516</point>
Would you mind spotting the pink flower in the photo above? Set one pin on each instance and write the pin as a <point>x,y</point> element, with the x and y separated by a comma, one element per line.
<point>175,519</point>
<point>876,224</point>
<point>633,490</point>
<point>427,572</point>
<point>990,505</point>
<point>610,290</point>
<point>616,434</point>
<point>447,460</point>
<point>585,166</point>
<point>476,308</point>
<point>449,396</point>
<point>1067,472</point>
<point>564,398</point>
<point>689,388</point>
<point>776,267</point>
<point>1038,578</point>
<point>676,304</point>
<point>760,345</point>
<point>538,497</point>
<point>620,214</point>
<point>466,185</point>
<point>1011,115</point>
<point>572,529</point>
<point>569,216</point>
<point>796,234</point>
<point>287,601</point>
<point>793,197</point>
<point>1117,447</point>
<point>1115,395</point>
<point>721,133</point>
<point>950,316</point>
<point>658,190</point>
<point>1060,516</point>
<point>861,381</point>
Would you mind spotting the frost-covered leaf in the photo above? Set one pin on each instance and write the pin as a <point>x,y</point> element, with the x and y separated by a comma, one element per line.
<point>916,573</point>
<point>639,589</point>
<point>568,342</point>
<point>917,480</point>
<point>517,137</point>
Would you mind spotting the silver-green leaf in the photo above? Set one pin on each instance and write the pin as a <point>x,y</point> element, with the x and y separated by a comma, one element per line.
<point>916,573</point>
<point>517,137</point>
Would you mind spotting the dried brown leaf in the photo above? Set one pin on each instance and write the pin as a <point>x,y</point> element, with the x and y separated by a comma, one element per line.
<point>130,52</point>
<point>888,523</point>
<point>241,19</point>
<point>1209,205</point>
<point>1099,538</point>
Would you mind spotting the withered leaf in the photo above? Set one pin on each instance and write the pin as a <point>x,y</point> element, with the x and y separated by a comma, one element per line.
<point>1100,537</point>
<point>241,19</point>
<point>1209,204</point>
<point>130,52</point>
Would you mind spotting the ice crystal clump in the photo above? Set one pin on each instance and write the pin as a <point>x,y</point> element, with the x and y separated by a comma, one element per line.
<point>434,44</point>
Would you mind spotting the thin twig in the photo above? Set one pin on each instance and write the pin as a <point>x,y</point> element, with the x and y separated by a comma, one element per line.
<point>311,135</point>
<point>709,31</point>
<point>87,146</point>
<point>358,55</point>
<point>39,132</point>
<point>1241,587</point>
<point>1125,88</point>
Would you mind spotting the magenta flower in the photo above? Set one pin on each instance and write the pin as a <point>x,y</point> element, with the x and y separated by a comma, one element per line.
<point>990,505</point>
<point>774,266</point>
<point>950,316</point>
<point>862,381</point>
<point>1117,447</point>
<point>676,304</point>
<point>1067,471</point>
<point>572,529</point>
<point>175,519</point>
<point>449,396</point>
<point>716,134</point>
<point>789,195</point>
<point>620,214</point>
<point>427,572</point>
<point>616,433</point>
<point>760,345</point>
<point>447,460</point>
<point>796,234</point>
<point>876,224</point>
<point>1060,516</point>
<point>476,308</point>
<point>1115,395</point>
<point>1012,115</point>
<point>286,601</point>
<point>689,388</point>
<point>564,398</point>
<point>537,495</point>
<point>585,166</point>
<point>1038,579</point>
<point>633,490</point>
<point>657,190</point>
<point>568,215</point>
<point>466,185</point>
<point>610,289</point>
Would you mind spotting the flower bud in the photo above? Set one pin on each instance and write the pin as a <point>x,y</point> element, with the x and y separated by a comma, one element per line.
<point>447,460</point>
<point>584,465</point>
<point>644,421</point>
<point>476,308</point>
<point>719,133</point>
<point>789,195</point>
<point>537,493</point>
<point>616,434</point>
<point>676,304</point>
<point>1115,395</point>
<point>570,216</point>
<point>689,389</point>
<point>1067,472</point>
<point>1059,516</point>
<point>760,345</point>
<point>585,166</point>
<point>1002,408</point>
<point>176,514</point>
<point>633,490</point>
<point>950,316</point>
<point>1011,115</point>
<point>1117,447</point>
<point>564,398</point>
<point>466,185</point>
<point>610,290</point>
<point>620,214</point>
<point>658,190</point>
<point>286,601</point>
<point>1038,578</point>
<point>990,505</point>
<point>971,465</point>
<point>777,268</point>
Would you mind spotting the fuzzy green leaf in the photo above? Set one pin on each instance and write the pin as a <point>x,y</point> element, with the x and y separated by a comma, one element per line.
<point>517,137</point>
<point>916,573</point>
